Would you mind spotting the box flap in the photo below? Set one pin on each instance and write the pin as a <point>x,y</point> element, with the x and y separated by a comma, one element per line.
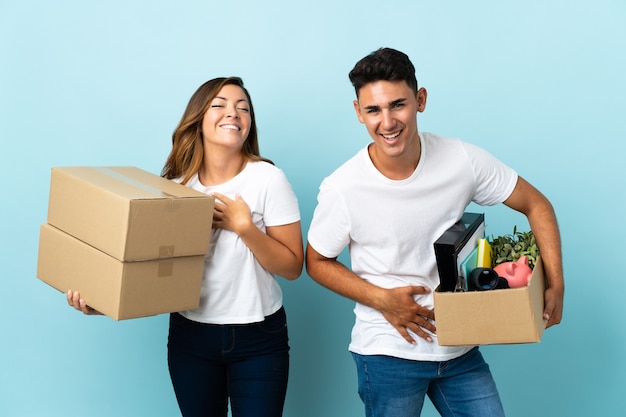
<point>130,214</point>
<point>130,182</point>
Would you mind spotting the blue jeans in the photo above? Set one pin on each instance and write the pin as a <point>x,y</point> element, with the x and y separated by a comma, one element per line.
<point>248,364</point>
<point>394,387</point>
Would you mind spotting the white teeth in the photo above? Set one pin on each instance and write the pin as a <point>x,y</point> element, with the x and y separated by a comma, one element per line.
<point>395,135</point>
<point>230,127</point>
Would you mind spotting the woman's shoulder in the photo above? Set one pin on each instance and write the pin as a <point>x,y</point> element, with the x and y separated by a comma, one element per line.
<point>261,164</point>
<point>264,172</point>
<point>260,167</point>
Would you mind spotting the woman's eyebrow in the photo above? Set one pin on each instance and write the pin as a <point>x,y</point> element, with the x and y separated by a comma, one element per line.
<point>224,98</point>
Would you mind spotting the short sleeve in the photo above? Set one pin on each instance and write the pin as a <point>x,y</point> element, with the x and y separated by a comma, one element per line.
<point>495,180</point>
<point>281,203</point>
<point>329,232</point>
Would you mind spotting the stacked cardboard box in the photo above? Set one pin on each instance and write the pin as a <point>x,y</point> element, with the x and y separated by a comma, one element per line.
<point>132,243</point>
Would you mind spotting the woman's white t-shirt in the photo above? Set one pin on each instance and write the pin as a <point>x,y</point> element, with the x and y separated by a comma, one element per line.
<point>236,289</point>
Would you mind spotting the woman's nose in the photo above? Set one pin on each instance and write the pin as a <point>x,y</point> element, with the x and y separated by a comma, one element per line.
<point>232,112</point>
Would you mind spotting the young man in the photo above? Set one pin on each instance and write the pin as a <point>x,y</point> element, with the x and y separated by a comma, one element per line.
<point>389,203</point>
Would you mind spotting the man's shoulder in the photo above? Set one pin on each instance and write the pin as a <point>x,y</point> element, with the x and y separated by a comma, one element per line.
<point>350,168</point>
<point>435,139</point>
<point>447,147</point>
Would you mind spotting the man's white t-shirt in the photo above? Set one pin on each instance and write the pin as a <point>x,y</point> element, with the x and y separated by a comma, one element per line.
<point>236,289</point>
<point>390,227</point>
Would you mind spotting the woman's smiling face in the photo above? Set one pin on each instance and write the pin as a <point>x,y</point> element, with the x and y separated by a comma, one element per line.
<point>227,120</point>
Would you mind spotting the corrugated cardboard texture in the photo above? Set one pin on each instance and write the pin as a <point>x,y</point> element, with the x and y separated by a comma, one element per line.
<point>504,316</point>
<point>121,290</point>
<point>129,213</point>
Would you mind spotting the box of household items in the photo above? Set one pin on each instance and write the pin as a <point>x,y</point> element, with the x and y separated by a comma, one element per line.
<point>131,242</point>
<point>481,302</point>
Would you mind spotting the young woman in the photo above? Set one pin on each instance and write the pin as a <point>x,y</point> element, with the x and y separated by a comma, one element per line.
<point>235,345</point>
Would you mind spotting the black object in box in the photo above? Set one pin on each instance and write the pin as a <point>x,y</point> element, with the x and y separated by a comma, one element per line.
<point>454,245</point>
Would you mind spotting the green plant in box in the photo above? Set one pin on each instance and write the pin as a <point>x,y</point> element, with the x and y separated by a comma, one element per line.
<point>509,248</point>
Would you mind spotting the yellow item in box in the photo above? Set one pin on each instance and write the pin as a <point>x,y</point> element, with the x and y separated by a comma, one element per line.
<point>484,254</point>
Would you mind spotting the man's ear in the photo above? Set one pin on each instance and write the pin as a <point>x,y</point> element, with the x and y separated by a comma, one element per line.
<point>357,109</point>
<point>421,96</point>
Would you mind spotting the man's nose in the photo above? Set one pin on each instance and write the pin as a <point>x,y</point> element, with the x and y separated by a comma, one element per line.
<point>387,121</point>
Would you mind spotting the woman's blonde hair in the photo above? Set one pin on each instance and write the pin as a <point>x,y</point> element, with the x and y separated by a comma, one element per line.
<point>187,153</point>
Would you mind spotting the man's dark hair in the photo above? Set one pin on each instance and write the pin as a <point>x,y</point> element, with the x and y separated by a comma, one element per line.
<point>384,64</point>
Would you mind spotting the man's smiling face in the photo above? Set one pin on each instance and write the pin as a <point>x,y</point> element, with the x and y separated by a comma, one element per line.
<point>388,109</point>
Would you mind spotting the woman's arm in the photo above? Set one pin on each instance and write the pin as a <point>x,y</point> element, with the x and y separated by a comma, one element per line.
<point>280,250</point>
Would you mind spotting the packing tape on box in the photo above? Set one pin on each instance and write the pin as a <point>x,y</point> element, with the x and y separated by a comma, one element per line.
<point>112,173</point>
<point>166,269</point>
<point>166,251</point>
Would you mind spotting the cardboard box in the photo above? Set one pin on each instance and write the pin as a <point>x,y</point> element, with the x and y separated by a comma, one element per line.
<point>513,315</point>
<point>120,290</point>
<point>132,243</point>
<point>129,213</point>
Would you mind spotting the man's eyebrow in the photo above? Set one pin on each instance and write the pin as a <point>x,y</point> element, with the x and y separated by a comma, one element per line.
<point>372,107</point>
<point>396,102</point>
<point>391,104</point>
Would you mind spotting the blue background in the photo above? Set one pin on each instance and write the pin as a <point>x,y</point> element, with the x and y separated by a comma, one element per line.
<point>538,83</point>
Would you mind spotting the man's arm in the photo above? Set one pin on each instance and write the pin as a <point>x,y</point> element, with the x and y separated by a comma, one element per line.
<point>397,305</point>
<point>535,206</point>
